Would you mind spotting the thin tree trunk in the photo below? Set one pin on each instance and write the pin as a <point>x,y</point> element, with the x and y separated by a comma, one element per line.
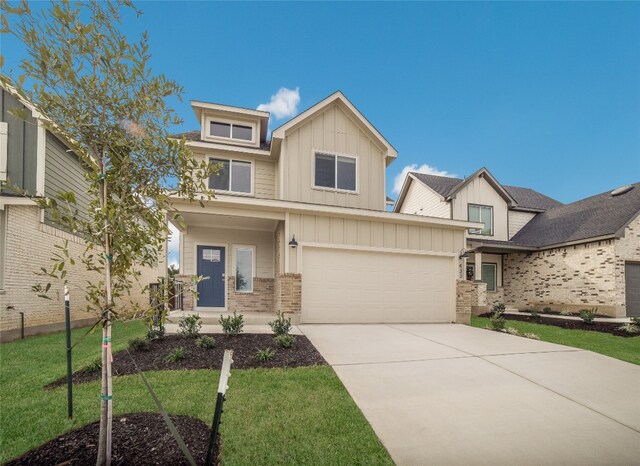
<point>106,404</point>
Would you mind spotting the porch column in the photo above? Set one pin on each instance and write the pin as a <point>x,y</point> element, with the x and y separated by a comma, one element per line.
<point>478,267</point>
<point>463,270</point>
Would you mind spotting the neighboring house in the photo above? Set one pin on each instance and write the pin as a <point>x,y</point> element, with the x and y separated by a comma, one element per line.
<point>533,251</point>
<point>37,161</point>
<point>299,222</point>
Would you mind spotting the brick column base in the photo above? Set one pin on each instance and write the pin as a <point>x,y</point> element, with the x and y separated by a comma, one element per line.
<point>290,296</point>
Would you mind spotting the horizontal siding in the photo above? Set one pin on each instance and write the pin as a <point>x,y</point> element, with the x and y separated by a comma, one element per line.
<point>265,180</point>
<point>420,200</point>
<point>365,233</point>
<point>264,242</point>
<point>517,220</point>
<point>64,172</point>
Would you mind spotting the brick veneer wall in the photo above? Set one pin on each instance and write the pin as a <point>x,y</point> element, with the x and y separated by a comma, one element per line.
<point>568,278</point>
<point>291,293</point>
<point>627,248</point>
<point>471,297</point>
<point>29,246</point>
<point>262,299</point>
<point>188,298</point>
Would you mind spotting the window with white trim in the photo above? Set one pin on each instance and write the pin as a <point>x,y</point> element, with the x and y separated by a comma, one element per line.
<point>231,130</point>
<point>481,214</point>
<point>335,171</point>
<point>233,176</point>
<point>244,257</point>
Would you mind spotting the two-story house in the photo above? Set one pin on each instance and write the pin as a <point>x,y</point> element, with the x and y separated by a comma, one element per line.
<point>299,223</point>
<point>38,162</point>
<point>533,251</point>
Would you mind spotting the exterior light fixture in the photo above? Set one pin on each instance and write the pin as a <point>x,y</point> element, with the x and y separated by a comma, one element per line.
<point>293,243</point>
<point>463,254</point>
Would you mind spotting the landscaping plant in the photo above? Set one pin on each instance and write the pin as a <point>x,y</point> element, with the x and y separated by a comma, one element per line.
<point>265,354</point>
<point>534,314</point>
<point>206,342</point>
<point>139,344</point>
<point>281,325</point>
<point>96,90</point>
<point>497,320</point>
<point>587,315</point>
<point>630,327</point>
<point>156,333</point>
<point>546,310</point>
<point>286,341</point>
<point>189,326</point>
<point>175,355</point>
<point>93,366</point>
<point>232,325</point>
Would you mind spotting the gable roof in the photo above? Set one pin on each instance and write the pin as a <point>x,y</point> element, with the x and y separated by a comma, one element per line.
<point>337,96</point>
<point>597,216</point>
<point>521,198</point>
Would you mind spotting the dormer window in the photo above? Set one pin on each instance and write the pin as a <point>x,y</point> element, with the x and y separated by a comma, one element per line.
<point>231,130</point>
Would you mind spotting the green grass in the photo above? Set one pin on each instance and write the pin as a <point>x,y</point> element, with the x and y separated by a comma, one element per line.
<point>272,416</point>
<point>625,349</point>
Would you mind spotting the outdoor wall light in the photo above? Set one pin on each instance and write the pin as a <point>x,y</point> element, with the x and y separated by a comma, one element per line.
<point>463,254</point>
<point>293,243</point>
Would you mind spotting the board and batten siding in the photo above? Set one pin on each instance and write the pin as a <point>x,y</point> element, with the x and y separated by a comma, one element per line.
<point>517,220</point>
<point>370,234</point>
<point>420,200</point>
<point>333,131</point>
<point>64,172</point>
<point>227,237</point>
<point>22,144</point>
<point>479,192</point>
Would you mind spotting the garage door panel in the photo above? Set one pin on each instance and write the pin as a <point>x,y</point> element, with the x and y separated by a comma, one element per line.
<point>362,286</point>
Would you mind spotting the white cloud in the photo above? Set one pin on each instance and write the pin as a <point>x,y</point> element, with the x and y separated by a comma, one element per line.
<point>284,103</point>
<point>424,168</point>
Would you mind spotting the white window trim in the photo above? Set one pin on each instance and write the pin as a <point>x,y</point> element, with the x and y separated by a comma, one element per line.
<point>238,193</point>
<point>315,152</point>
<point>4,142</point>
<point>253,265</point>
<point>209,137</point>
<point>474,231</point>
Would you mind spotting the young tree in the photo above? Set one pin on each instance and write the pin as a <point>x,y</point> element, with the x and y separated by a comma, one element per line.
<point>96,89</point>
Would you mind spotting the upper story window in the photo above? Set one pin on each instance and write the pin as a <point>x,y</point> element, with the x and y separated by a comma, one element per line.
<point>233,176</point>
<point>335,171</point>
<point>223,129</point>
<point>481,214</point>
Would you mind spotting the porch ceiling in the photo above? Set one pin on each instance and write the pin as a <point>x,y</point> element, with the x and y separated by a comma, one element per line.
<point>203,220</point>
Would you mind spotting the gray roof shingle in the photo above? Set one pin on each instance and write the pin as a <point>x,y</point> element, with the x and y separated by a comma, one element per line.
<point>443,185</point>
<point>599,215</point>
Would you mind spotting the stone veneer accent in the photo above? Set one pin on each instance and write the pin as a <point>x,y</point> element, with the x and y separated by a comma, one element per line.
<point>188,302</point>
<point>30,246</point>
<point>261,299</point>
<point>290,293</point>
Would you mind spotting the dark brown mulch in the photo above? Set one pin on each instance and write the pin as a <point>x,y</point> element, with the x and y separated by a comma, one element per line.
<point>612,328</point>
<point>140,439</point>
<point>244,347</point>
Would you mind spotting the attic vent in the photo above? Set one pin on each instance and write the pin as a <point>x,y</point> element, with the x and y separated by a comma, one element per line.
<point>621,190</point>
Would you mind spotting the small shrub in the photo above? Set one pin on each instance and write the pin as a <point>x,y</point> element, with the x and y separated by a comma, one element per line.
<point>587,315</point>
<point>139,344</point>
<point>498,309</point>
<point>282,325</point>
<point>286,341</point>
<point>534,314</point>
<point>93,366</point>
<point>497,320</point>
<point>189,326</point>
<point>513,331</point>
<point>546,310</point>
<point>566,313</point>
<point>205,341</point>
<point>532,336</point>
<point>175,355</point>
<point>265,355</point>
<point>155,333</point>
<point>630,327</point>
<point>232,325</point>
<point>635,321</point>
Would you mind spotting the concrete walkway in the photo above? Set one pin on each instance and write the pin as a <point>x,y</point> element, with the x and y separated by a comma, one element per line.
<point>457,395</point>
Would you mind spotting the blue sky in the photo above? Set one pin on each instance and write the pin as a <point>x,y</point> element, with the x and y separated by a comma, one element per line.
<point>545,95</point>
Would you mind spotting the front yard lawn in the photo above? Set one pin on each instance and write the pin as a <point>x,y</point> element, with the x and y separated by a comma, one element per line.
<point>626,349</point>
<point>272,416</point>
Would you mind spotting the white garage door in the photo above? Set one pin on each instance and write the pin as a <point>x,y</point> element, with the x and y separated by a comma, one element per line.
<point>360,286</point>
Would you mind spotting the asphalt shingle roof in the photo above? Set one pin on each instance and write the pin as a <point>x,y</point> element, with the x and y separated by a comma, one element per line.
<point>599,215</point>
<point>525,197</point>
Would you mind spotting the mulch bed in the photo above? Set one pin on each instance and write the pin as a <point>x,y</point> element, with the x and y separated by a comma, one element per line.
<point>603,327</point>
<point>141,439</point>
<point>244,347</point>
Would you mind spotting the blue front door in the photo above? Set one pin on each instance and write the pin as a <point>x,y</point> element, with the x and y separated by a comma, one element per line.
<point>211,264</point>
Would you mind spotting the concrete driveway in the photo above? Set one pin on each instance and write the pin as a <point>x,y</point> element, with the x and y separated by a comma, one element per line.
<point>457,395</point>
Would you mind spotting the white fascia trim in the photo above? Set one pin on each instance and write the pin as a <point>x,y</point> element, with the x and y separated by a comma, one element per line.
<point>17,201</point>
<point>228,148</point>
<point>229,108</point>
<point>318,209</point>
